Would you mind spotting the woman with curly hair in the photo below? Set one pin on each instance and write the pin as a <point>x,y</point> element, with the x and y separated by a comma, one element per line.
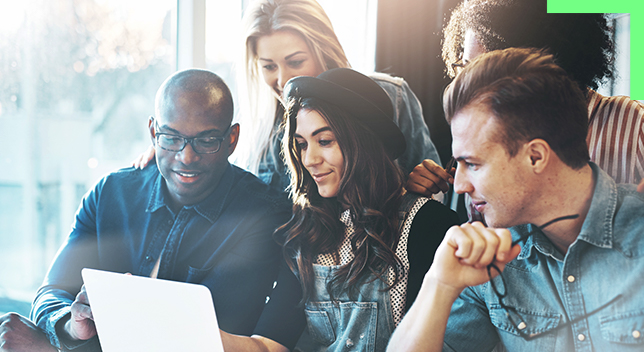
<point>583,47</point>
<point>358,245</point>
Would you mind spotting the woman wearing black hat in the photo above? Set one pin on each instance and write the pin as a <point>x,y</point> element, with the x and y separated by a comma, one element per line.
<point>359,244</point>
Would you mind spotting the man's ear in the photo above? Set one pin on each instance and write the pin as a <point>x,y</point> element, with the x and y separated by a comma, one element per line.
<point>152,131</point>
<point>539,153</point>
<point>233,138</point>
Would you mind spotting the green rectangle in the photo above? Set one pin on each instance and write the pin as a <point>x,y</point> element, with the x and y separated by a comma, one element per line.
<point>636,9</point>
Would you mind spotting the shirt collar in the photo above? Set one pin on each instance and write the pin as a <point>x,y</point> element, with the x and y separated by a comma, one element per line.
<point>598,225</point>
<point>210,208</point>
<point>597,228</point>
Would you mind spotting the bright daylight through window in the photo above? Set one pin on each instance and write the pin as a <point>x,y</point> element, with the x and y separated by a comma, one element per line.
<point>78,84</point>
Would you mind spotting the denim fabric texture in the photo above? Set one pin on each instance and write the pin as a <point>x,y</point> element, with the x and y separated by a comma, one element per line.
<point>408,115</point>
<point>548,288</point>
<point>125,223</point>
<point>361,323</point>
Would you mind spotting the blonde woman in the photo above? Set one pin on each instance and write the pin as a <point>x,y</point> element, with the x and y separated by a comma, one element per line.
<point>290,38</point>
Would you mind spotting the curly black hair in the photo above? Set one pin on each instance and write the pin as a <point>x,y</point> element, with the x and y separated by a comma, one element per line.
<point>581,43</point>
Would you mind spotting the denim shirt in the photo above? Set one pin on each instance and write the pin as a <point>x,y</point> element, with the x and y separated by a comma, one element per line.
<point>408,115</point>
<point>548,288</point>
<point>125,224</point>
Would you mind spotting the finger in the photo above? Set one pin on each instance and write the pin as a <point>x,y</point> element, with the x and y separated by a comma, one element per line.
<point>505,244</point>
<point>437,170</point>
<point>640,187</point>
<point>424,189</point>
<point>136,163</point>
<point>426,179</point>
<point>147,156</point>
<point>459,240</point>
<point>438,182</point>
<point>82,296</point>
<point>490,246</point>
<point>514,252</point>
<point>478,245</point>
<point>81,311</point>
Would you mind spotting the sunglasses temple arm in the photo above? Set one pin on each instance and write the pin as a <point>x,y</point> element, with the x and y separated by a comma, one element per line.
<point>525,236</point>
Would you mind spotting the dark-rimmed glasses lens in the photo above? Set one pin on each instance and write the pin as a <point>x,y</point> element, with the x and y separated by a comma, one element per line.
<point>201,145</point>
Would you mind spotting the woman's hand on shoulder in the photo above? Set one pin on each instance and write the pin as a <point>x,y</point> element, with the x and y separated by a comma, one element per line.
<point>144,159</point>
<point>429,178</point>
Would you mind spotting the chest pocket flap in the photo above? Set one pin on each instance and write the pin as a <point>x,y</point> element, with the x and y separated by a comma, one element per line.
<point>627,328</point>
<point>533,322</point>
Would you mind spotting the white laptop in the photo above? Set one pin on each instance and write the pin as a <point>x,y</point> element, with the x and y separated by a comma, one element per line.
<point>134,313</point>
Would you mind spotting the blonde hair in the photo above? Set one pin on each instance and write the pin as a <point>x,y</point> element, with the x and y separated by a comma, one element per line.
<point>263,110</point>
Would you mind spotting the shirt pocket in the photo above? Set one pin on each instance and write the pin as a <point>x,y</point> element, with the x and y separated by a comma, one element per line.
<point>343,325</point>
<point>196,275</point>
<point>532,322</point>
<point>624,328</point>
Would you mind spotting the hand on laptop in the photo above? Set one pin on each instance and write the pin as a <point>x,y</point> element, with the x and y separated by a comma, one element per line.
<point>81,325</point>
<point>19,334</point>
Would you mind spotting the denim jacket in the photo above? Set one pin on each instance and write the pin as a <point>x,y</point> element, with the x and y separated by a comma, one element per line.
<point>125,223</point>
<point>548,288</point>
<point>408,115</point>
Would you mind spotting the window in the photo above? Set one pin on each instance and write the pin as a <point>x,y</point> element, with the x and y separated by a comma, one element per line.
<point>78,84</point>
<point>621,83</point>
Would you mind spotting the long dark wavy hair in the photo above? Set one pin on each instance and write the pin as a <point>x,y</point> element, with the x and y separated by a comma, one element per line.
<point>371,188</point>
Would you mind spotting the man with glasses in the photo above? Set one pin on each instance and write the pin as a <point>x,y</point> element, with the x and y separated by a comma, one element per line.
<point>189,217</point>
<point>572,278</point>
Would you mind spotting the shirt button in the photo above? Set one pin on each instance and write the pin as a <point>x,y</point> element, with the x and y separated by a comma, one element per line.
<point>637,334</point>
<point>148,258</point>
<point>581,337</point>
<point>170,222</point>
<point>571,278</point>
<point>521,326</point>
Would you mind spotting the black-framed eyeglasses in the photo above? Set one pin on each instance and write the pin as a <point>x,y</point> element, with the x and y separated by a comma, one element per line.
<point>201,145</point>
<point>511,312</point>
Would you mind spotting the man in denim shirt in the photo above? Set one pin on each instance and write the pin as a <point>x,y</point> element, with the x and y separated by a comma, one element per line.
<point>572,283</point>
<point>189,217</point>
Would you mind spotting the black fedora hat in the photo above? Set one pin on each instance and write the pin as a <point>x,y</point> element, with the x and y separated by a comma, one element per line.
<point>357,94</point>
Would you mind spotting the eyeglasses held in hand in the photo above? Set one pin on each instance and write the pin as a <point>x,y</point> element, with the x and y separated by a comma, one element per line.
<point>501,293</point>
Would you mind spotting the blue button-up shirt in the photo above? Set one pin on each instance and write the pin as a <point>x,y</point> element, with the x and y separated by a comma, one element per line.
<point>548,288</point>
<point>125,224</point>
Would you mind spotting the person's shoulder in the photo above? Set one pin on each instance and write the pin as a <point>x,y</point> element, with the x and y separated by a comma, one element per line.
<point>628,221</point>
<point>600,104</point>
<point>434,215</point>
<point>385,79</point>
<point>432,206</point>
<point>253,189</point>
<point>629,197</point>
<point>129,177</point>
